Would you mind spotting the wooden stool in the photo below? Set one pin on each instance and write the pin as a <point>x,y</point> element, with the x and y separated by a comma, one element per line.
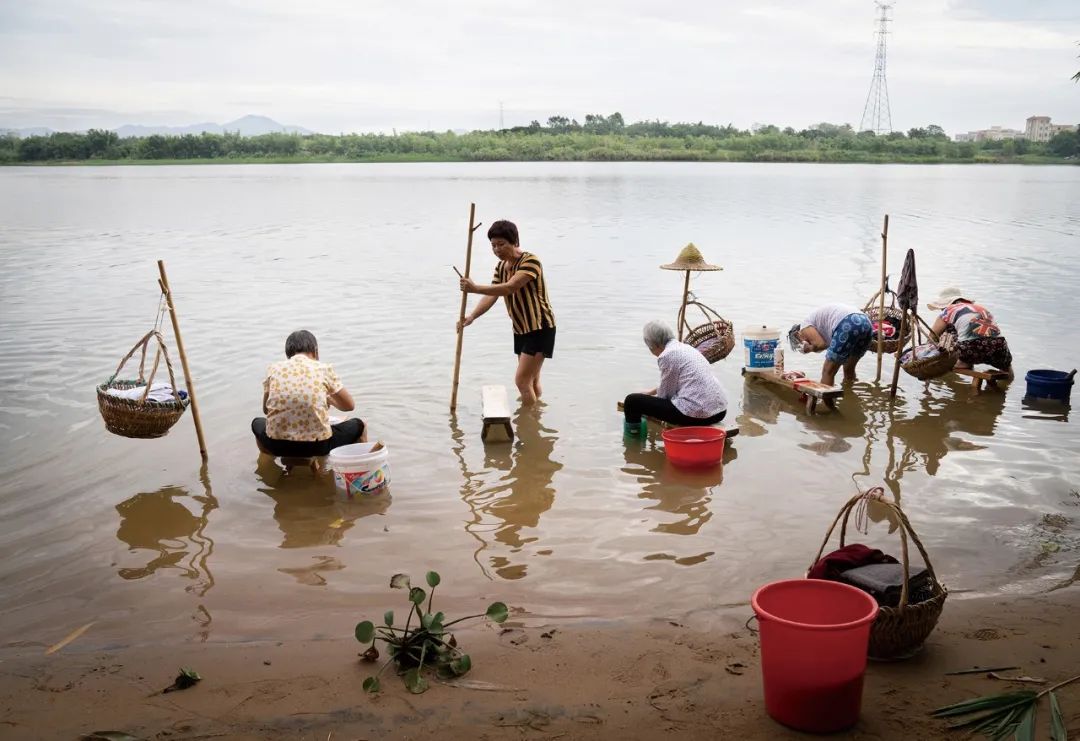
<point>814,391</point>
<point>496,410</point>
<point>729,432</point>
<point>978,377</point>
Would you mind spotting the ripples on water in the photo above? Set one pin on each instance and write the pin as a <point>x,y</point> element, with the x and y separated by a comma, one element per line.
<point>570,520</point>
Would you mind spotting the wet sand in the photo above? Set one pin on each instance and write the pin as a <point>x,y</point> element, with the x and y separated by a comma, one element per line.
<point>639,680</point>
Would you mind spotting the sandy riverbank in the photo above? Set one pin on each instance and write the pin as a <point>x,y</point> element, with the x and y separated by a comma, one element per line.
<point>639,681</point>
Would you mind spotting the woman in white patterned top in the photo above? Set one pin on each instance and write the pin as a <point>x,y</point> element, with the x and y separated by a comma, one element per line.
<point>297,395</point>
<point>688,395</point>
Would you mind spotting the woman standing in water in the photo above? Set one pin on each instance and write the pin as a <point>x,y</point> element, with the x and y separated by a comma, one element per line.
<point>519,279</point>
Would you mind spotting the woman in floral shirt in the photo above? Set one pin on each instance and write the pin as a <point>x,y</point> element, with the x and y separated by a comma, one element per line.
<point>979,338</point>
<point>297,395</point>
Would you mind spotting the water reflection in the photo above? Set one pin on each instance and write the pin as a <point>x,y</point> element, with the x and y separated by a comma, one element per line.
<point>762,407</point>
<point>511,493</point>
<point>685,493</point>
<point>932,430</point>
<point>309,513</point>
<point>170,524</point>
<point>160,522</point>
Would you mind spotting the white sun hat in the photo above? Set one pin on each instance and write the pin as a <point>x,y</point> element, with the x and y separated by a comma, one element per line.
<point>947,297</point>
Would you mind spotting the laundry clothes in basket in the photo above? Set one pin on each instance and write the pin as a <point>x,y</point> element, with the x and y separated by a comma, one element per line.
<point>160,392</point>
<point>133,413</point>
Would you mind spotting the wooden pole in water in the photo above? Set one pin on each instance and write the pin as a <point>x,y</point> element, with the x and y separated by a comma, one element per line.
<point>682,308</point>
<point>464,303</point>
<point>881,305</point>
<point>899,351</point>
<point>164,283</point>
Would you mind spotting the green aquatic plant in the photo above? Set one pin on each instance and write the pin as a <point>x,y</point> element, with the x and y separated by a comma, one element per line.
<point>427,644</point>
<point>1008,713</point>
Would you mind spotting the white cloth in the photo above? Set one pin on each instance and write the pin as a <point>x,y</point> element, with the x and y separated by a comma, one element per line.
<point>158,392</point>
<point>686,378</point>
<point>825,319</point>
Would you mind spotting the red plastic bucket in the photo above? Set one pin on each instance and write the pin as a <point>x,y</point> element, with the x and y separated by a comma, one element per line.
<point>814,638</point>
<point>694,446</point>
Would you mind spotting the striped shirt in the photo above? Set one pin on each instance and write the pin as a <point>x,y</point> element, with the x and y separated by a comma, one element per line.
<point>528,307</point>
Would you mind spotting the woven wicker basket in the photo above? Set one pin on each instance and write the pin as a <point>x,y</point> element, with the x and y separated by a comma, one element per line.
<point>927,368</point>
<point>715,339</point>
<point>898,632</point>
<point>893,344</point>
<point>141,418</point>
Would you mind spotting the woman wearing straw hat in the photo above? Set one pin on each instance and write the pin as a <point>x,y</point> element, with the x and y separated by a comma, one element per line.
<point>519,279</point>
<point>978,336</point>
<point>842,331</point>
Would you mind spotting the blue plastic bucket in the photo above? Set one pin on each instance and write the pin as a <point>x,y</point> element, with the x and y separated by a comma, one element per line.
<point>1049,384</point>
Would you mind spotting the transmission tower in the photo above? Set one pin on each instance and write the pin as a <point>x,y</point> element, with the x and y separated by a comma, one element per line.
<point>876,116</point>
<point>501,124</point>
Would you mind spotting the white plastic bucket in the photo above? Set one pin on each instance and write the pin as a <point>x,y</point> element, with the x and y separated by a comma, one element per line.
<point>759,349</point>
<point>360,470</point>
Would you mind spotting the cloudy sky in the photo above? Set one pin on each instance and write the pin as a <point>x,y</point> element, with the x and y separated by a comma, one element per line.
<point>365,65</point>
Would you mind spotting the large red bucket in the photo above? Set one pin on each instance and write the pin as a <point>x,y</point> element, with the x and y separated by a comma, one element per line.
<point>814,636</point>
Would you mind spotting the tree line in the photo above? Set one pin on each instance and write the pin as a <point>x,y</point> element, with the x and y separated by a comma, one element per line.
<point>598,138</point>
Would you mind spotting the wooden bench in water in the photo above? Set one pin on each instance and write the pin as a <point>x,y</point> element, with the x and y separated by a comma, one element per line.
<point>814,391</point>
<point>496,410</point>
<point>991,378</point>
<point>729,432</point>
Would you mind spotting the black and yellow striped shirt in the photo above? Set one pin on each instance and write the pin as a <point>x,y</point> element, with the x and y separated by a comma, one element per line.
<point>528,307</point>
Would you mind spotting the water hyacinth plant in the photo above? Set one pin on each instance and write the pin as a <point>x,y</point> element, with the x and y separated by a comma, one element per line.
<point>426,644</point>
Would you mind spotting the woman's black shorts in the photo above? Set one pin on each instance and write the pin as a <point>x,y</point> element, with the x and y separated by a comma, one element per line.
<point>343,433</point>
<point>534,343</point>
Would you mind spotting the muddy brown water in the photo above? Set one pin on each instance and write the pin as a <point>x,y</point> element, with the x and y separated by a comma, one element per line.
<point>571,522</point>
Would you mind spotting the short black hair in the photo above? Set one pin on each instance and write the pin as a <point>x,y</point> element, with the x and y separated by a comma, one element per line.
<point>503,229</point>
<point>301,341</point>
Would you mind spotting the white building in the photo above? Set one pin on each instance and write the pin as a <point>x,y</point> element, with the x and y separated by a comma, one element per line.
<point>1038,129</point>
<point>994,133</point>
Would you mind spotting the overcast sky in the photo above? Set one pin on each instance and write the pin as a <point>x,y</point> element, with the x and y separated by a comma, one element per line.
<point>364,65</point>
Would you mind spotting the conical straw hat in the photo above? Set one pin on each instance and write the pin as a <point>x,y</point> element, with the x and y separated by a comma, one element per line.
<point>690,259</point>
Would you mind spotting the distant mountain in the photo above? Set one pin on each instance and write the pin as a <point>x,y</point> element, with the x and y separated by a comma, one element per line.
<point>33,131</point>
<point>246,126</point>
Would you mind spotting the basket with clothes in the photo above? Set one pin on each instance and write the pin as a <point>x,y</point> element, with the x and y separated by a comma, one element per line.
<point>140,408</point>
<point>889,323</point>
<point>714,339</point>
<point>909,601</point>
<point>932,359</point>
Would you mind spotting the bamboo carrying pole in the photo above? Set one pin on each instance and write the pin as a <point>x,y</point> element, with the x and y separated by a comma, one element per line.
<point>881,305</point>
<point>164,284</point>
<point>682,309</point>
<point>464,303</point>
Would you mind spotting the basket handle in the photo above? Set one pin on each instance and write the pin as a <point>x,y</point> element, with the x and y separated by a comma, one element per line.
<point>711,314</point>
<point>892,299</point>
<point>905,530</point>
<point>162,350</point>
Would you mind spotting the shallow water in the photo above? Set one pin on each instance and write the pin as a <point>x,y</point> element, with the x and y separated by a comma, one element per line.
<point>571,521</point>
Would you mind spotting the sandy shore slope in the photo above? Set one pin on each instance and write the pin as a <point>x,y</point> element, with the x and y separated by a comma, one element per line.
<point>606,681</point>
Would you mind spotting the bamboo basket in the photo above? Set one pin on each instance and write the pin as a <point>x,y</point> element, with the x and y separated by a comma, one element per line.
<point>715,339</point>
<point>893,344</point>
<point>141,418</point>
<point>897,632</point>
<point>927,368</point>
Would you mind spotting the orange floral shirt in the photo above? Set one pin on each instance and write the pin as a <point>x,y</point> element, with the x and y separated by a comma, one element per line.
<point>296,406</point>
